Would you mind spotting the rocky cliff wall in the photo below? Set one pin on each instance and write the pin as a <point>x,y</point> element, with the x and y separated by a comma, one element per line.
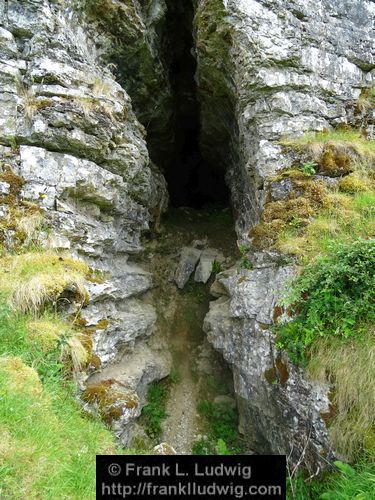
<point>268,70</point>
<point>68,130</point>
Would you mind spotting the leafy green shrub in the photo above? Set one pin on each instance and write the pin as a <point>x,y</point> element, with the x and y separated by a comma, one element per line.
<point>334,296</point>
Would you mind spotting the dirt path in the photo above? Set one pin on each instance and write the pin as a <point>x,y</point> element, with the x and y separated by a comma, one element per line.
<point>181,427</point>
<point>180,318</point>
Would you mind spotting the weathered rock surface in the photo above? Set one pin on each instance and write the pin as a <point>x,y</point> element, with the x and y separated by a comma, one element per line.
<point>269,70</point>
<point>265,70</point>
<point>206,261</point>
<point>138,367</point>
<point>140,61</point>
<point>186,266</point>
<point>280,411</point>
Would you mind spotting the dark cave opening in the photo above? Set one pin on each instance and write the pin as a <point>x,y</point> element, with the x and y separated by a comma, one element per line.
<point>192,180</point>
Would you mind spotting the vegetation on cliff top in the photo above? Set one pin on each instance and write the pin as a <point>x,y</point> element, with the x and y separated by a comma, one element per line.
<point>328,224</point>
<point>317,211</point>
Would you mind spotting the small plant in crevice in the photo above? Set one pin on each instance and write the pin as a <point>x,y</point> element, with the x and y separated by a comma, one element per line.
<point>245,262</point>
<point>216,267</point>
<point>174,376</point>
<point>309,168</point>
<point>154,413</point>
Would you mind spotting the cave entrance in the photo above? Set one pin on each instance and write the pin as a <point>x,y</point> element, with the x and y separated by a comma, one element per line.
<point>192,180</point>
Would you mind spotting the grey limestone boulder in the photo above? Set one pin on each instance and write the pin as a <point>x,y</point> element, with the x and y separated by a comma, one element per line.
<point>186,266</point>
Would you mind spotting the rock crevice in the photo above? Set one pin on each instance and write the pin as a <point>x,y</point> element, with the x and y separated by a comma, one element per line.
<point>91,90</point>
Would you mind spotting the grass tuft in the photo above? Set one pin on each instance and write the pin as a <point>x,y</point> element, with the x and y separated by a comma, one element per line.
<point>350,368</point>
<point>33,280</point>
<point>344,142</point>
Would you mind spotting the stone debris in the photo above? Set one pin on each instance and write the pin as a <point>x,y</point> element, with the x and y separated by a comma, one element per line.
<point>199,260</point>
<point>164,449</point>
<point>186,266</point>
<point>206,262</point>
<point>4,188</point>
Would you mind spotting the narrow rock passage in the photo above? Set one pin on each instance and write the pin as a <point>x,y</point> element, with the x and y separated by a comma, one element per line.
<point>199,372</point>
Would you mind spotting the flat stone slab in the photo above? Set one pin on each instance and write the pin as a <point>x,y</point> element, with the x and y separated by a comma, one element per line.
<point>188,261</point>
<point>204,268</point>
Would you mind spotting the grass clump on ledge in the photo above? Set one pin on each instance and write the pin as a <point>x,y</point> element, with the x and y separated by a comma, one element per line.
<point>339,205</point>
<point>35,279</point>
<point>351,142</point>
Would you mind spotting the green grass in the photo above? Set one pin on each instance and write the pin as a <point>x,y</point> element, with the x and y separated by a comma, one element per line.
<point>356,482</point>
<point>347,218</point>
<point>346,483</point>
<point>349,366</point>
<point>154,413</point>
<point>48,445</point>
<point>344,212</point>
<point>221,423</point>
<point>35,279</point>
<point>351,139</point>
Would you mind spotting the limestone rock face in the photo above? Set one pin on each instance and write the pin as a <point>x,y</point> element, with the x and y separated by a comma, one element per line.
<point>139,60</point>
<point>280,411</point>
<point>70,133</point>
<point>273,69</point>
<point>269,70</point>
